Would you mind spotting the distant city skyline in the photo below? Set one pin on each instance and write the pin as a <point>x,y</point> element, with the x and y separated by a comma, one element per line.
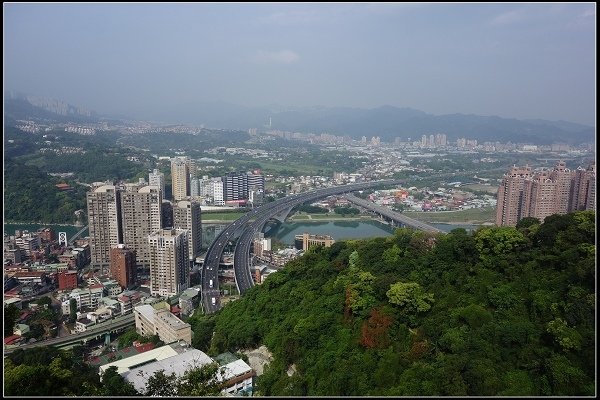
<point>145,60</point>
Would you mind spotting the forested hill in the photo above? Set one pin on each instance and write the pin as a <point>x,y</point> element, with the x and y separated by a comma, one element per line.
<point>502,312</point>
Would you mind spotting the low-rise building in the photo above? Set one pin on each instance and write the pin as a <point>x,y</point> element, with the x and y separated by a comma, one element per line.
<point>67,280</point>
<point>129,299</point>
<point>178,358</point>
<point>189,299</point>
<point>157,320</point>
<point>306,241</point>
<point>82,324</point>
<point>88,297</point>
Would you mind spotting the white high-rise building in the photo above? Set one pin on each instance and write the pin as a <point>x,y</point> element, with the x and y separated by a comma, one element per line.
<point>157,178</point>
<point>186,215</point>
<point>169,262</point>
<point>195,187</point>
<point>217,192</point>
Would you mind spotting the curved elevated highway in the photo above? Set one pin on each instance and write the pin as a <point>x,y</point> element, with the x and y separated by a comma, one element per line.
<point>391,215</point>
<point>244,229</point>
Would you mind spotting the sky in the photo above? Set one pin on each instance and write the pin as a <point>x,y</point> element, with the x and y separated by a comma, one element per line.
<point>516,60</point>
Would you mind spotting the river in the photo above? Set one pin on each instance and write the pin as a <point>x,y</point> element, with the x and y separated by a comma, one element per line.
<point>339,230</point>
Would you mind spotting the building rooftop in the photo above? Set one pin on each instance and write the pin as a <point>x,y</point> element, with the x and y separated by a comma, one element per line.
<point>171,320</point>
<point>120,354</point>
<point>177,363</point>
<point>137,360</point>
<point>233,369</point>
<point>147,311</point>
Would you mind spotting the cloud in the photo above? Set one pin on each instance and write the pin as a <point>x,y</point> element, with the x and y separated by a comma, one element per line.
<point>292,17</point>
<point>588,13</point>
<point>507,18</point>
<point>584,20</point>
<point>276,57</point>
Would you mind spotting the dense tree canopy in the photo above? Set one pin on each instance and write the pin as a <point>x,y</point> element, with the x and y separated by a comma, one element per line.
<point>30,195</point>
<point>500,312</point>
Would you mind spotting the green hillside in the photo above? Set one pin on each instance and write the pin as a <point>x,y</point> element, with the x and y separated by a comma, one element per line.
<point>502,312</point>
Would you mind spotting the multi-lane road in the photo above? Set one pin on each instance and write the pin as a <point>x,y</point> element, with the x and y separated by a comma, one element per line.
<point>244,230</point>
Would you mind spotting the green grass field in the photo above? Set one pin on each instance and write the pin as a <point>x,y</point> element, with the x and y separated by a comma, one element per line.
<point>473,215</point>
<point>326,217</point>
<point>230,216</point>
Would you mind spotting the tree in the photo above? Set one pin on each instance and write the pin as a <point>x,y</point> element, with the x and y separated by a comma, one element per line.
<point>161,384</point>
<point>115,385</point>
<point>568,338</point>
<point>44,300</point>
<point>527,222</point>
<point>11,314</point>
<point>410,296</point>
<point>497,241</point>
<point>200,381</point>
<point>374,331</point>
<point>127,338</point>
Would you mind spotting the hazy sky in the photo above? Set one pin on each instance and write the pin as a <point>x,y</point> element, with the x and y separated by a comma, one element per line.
<point>507,59</point>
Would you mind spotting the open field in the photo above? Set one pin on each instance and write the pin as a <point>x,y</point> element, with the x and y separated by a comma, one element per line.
<point>327,217</point>
<point>481,188</point>
<point>470,216</point>
<point>230,216</point>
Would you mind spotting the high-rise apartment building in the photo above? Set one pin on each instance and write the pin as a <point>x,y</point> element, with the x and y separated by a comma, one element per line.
<point>236,185</point>
<point>539,197</point>
<point>440,139</point>
<point>559,191</point>
<point>104,219</point>
<point>562,177</point>
<point>123,266</point>
<point>510,194</point>
<point>141,216</point>
<point>169,262</point>
<point>186,215</point>
<point>211,189</point>
<point>157,178</point>
<point>218,194</point>
<point>583,189</point>
<point>180,178</point>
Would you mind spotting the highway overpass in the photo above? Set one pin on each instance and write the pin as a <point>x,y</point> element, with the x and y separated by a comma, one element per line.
<point>392,215</point>
<point>244,229</point>
<point>97,331</point>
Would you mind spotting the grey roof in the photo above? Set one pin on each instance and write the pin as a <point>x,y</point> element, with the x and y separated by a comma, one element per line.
<point>178,364</point>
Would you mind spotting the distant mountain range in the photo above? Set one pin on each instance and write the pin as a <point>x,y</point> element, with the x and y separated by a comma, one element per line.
<point>387,122</point>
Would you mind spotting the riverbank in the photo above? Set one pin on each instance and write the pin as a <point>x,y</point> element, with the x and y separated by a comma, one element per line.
<point>479,216</point>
